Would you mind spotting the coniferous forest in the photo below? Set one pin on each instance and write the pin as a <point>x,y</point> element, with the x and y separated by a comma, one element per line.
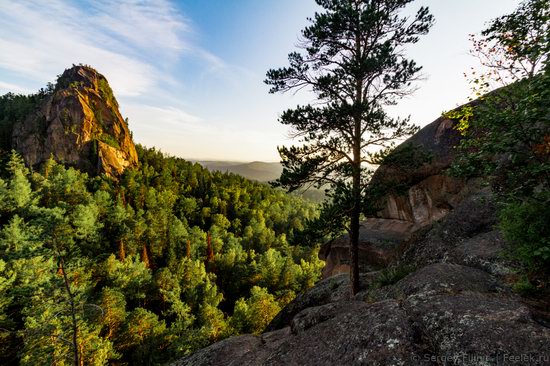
<point>163,261</point>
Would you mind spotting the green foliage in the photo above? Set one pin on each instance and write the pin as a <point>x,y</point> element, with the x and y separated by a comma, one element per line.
<point>121,269</point>
<point>407,156</point>
<point>143,270</point>
<point>523,37</point>
<point>143,335</point>
<point>131,276</point>
<point>253,314</point>
<point>392,275</point>
<point>508,139</point>
<point>524,225</point>
<point>463,115</point>
<point>106,92</point>
<point>15,108</point>
<point>109,140</point>
<point>524,286</point>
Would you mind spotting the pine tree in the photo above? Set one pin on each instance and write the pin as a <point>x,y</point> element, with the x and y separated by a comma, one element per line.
<point>209,254</point>
<point>353,60</point>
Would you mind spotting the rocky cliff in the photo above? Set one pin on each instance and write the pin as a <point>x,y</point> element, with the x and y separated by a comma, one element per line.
<point>415,192</point>
<point>79,124</point>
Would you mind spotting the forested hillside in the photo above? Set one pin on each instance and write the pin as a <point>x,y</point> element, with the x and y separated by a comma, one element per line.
<point>166,260</point>
<point>256,170</point>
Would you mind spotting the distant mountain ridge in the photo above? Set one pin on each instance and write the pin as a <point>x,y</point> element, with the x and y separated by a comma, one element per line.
<point>260,171</point>
<point>256,170</point>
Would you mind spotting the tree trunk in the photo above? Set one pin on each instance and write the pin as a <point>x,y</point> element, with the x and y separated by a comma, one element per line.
<point>188,249</point>
<point>209,254</point>
<point>354,225</point>
<point>121,251</point>
<point>73,311</point>
<point>145,256</point>
<point>354,236</point>
<point>356,176</point>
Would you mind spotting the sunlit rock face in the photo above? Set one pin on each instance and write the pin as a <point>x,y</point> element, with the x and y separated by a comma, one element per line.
<point>417,192</point>
<point>80,125</point>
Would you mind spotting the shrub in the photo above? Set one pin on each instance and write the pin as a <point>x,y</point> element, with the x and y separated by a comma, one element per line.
<point>525,227</point>
<point>389,276</point>
<point>524,286</point>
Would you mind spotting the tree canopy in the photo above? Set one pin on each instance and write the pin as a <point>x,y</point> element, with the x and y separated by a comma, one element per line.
<point>506,135</point>
<point>146,269</point>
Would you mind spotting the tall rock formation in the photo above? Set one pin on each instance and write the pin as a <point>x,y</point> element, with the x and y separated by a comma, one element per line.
<point>80,125</point>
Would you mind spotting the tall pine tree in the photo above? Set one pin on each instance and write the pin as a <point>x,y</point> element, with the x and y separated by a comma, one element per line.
<point>353,60</point>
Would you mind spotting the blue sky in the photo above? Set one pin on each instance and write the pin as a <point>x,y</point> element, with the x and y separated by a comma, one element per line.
<point>188,74</point>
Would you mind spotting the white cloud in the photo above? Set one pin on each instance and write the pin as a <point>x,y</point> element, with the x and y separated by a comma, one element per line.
<point>8,87</point>
<point>158,26</point>
<point>40,41</point>
<point>127,40</point>
<point>148,115</point>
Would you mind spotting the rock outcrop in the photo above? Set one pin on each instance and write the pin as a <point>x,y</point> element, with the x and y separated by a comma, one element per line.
<point>380,241</point>
<point>413,180</point>
<point>80,125</point>
<point>416,192</point>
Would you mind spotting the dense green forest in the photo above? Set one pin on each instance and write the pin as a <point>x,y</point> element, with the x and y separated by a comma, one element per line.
<point>144,269</point>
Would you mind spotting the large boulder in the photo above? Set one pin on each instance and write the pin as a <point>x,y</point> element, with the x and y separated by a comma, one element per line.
<point>80,125</point>
<point>327,291</point>
<point>416,192</point>
<point>466,228</point>
<point>473,328</point>
<point>379,244</point>
<point>335,289</point>
<point>435,278</point>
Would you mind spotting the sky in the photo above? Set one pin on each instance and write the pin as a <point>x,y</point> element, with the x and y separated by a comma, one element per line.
<point>189,74</point>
